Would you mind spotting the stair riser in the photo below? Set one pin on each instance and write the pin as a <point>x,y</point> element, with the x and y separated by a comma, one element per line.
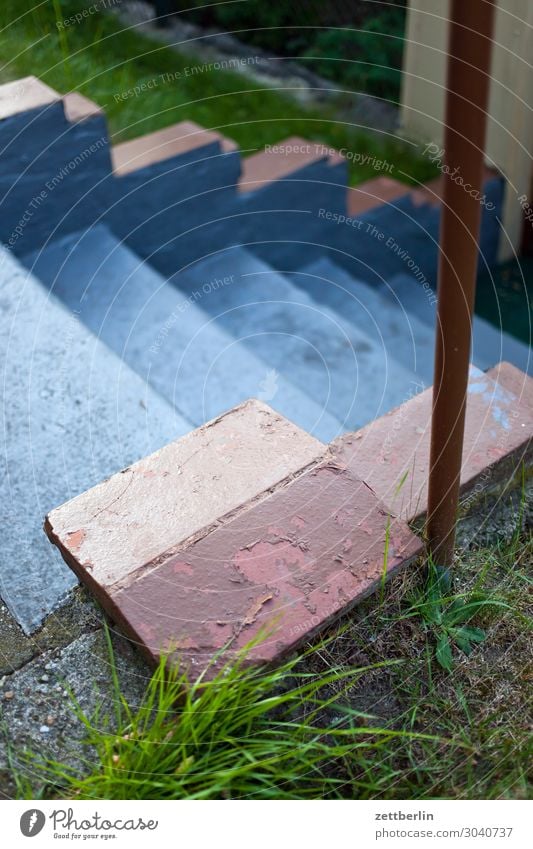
<point>57,183</point>
<point>31,132</point>
<point>189,188</point>
<point>157,205</point>
<point>286,226</point>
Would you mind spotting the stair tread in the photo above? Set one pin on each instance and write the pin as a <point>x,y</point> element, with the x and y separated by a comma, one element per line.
<point>25,94</point>
<point>374,192</point>
<point>73,415</point>
<point>406,338</point>
<point>175,140</point>
<point>209,474</point>
<point>254,578</point>
<point>78,107</point>
<point>166,337</point>
<point>283,159</point>
<point>333,361</point>
<point>490,344</point>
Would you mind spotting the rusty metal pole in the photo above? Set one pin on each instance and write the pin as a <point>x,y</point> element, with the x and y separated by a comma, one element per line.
<point>469,51</point>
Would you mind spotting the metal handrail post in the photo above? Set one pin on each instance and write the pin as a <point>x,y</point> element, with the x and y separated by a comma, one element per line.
<point>469,53</point>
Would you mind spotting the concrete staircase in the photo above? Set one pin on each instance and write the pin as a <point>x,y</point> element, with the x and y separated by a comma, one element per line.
<point>165,336</point>
<point>171,280</point>
<point>336,362</point>
<point>166,280</point>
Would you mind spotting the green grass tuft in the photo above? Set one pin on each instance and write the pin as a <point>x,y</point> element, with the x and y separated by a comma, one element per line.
<point>246,733</point>
<point>369,712</point>
<point>449,616</point>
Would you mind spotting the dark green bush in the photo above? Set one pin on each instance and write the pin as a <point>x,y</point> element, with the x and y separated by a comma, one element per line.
<point>270,26</point>
<point>369,59</point>
<point>356,44</point>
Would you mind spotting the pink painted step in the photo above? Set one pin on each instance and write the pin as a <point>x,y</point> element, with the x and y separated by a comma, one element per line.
<point>282,159</point>
<point>392,453</point>
<point>78,107</point>
<point>243,525</point>
<point>286,567</point>
<point>24,95</point>
<point>373,193</point>
<point>158,146</point>
<point>382,190</point>
<point>432,192</point>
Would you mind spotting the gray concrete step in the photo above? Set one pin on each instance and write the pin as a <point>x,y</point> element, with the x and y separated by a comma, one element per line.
<point>402,335</point>
<point>490,344</point>
<point>337,364</point>
<point>72,415</point>
<point>167,337</point>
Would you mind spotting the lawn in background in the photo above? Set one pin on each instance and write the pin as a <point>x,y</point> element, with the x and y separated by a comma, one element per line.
<point>104,61</point>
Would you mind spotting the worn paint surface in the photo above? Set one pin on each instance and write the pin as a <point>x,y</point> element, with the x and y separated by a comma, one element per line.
<point>392,453</point>
<point>42,137</point>
<point>179,491</point>
<point>338,364</point>
<point>282,569</point>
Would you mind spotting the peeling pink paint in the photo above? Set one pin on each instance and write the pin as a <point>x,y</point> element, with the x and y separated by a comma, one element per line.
<point>243,583</point>
<point>182,568</point>
<point>75,539</point>
<point>268,562</point>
